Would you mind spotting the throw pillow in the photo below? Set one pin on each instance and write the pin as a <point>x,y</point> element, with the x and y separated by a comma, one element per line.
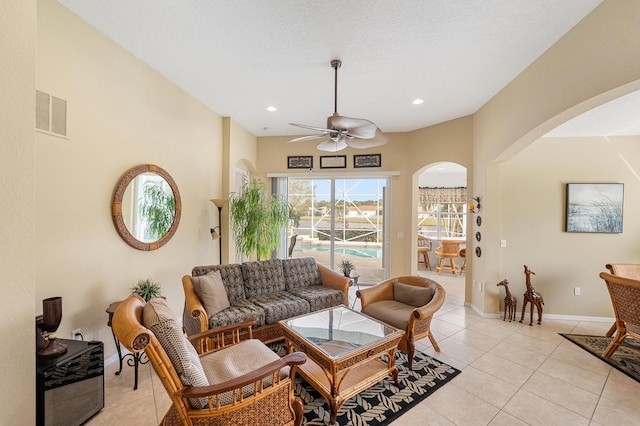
<point>411,294</point>
<point>158,317</point>
<point>210,289</point>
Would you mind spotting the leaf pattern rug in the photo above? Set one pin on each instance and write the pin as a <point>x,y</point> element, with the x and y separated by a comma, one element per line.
<point>383,402</point>
<point>625,359</point>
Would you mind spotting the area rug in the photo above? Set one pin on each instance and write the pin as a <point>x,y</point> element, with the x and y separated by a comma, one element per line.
<point>624,359</point>
<point>382,403</point>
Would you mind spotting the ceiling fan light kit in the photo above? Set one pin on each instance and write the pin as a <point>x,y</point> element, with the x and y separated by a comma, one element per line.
<point>341,131</point>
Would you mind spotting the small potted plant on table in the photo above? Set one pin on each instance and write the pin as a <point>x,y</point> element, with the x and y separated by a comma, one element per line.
<point>147,289</point>
<point>346,266</point>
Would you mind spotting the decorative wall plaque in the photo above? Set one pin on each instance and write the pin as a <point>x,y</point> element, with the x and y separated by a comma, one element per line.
<point>333,162</point>
<point>367,160</point>
<point>300,162</point>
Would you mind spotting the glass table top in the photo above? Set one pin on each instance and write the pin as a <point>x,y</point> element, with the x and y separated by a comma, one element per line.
<point>339,330</point>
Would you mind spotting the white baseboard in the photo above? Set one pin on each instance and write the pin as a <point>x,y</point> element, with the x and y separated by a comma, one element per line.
<point>548,316</point>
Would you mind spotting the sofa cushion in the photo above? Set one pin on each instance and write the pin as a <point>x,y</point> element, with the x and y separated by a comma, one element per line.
<point>158,317</point>
<point>391,312</point>
<point>280,305</point>
<point>211,292</point>
<point>234,361</point>
<point>319,297</point>
<point>238,312</point>
<point>231,278</point>
<point>262,277</point>
<point>300,272</point>
<point>411,294</point>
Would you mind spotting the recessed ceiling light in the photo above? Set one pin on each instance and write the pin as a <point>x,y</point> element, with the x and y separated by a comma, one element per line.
<point>272,108</point>
<point>417,101</point>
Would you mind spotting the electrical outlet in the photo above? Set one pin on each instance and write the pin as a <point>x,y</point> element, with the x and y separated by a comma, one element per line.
<point>503,243</point>
<point>76,334</point>
<point>576,291</point>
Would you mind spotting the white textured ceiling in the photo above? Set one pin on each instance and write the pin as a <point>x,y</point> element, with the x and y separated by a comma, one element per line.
<point>238,57</point>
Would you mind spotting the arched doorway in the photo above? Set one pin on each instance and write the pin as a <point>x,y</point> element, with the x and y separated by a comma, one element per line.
<point>441,206</point>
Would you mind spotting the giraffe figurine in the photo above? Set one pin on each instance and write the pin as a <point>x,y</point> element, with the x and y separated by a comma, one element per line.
<point>533,297</point>
<point>510,302</point>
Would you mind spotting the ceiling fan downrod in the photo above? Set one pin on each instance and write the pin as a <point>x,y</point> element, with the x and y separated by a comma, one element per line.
<point>335,64</point>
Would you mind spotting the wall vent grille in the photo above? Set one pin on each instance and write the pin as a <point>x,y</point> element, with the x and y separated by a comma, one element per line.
<point>51,114</point>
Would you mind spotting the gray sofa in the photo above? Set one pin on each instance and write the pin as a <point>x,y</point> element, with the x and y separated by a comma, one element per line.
<point>268,290</point>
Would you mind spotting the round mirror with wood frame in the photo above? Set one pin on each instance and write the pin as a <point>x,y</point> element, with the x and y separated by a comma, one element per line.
<point>117,210</point>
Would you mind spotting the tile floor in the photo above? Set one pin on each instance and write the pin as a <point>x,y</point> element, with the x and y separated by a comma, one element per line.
<point>513,374</point>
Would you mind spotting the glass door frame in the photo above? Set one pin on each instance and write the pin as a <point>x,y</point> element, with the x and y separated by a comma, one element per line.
<point>386,197</point>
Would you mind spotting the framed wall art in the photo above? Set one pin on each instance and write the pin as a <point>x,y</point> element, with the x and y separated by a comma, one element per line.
<point>300,162</point>
<point>594,207</point>
<point>367,160</point>
<point>333,162</point>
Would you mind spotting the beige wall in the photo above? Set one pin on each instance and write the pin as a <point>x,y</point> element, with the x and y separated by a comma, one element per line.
<point>17,230</point>
<point>240,152</point>
<point>533,217</point>
<point>598,60</point>
<point>406,153</point>
<point>121,114</point>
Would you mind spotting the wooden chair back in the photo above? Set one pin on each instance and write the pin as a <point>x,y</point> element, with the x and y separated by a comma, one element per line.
<point>424,244</point>
<point>448,249</point>
<point>628,270</point>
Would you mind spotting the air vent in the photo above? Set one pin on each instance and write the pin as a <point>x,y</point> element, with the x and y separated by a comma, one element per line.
<point>51,114</point>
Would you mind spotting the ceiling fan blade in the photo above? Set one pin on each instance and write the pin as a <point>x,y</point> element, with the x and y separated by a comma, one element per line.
<point>308,138</point>
<point>357,127</point>
<point>379,140</point>
<point>331,146</point>
<point>317,129</point>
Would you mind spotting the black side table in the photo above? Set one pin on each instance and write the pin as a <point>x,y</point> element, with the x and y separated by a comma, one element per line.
<point>133,359</point>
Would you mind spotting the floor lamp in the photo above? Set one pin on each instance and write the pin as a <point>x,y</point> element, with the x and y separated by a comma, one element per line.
<point>216,231</point>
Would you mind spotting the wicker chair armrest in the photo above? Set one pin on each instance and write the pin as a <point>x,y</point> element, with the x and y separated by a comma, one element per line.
<point>432,307</point>
<point>335,281</point>
<point>127,324</point>
<point>193,303</point>
<point>382,291</point>
<point>290,360</point>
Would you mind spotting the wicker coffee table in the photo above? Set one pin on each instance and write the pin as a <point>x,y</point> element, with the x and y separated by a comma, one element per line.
<point>343,350</point>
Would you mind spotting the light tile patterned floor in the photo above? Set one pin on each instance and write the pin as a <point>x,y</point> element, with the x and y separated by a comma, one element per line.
<point>512,374</point>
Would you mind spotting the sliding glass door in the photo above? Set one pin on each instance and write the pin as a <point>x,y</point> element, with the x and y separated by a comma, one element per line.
<point>340,219</point>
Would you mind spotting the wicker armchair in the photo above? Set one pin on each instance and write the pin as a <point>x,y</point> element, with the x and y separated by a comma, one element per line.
<point>627,270</point>
<point>625,296</point>
<point>394,301</point>
<point>234,391</point>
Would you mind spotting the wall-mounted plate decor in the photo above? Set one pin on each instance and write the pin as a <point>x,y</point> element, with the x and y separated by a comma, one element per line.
<point>478,236</point>
<point>478,252</point>
<point>478,221</point>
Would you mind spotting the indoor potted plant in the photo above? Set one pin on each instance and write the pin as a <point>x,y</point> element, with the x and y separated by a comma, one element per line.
<point>346,266</point>
<point>147,289</point>
<point>257,219</point>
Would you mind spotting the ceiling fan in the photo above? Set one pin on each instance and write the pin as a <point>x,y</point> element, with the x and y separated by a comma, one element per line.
<point>341,131</point>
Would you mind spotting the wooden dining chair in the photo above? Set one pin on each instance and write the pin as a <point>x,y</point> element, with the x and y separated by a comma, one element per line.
<point>424,247</point>
<point>625,297</point>
<point>448,250</point>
